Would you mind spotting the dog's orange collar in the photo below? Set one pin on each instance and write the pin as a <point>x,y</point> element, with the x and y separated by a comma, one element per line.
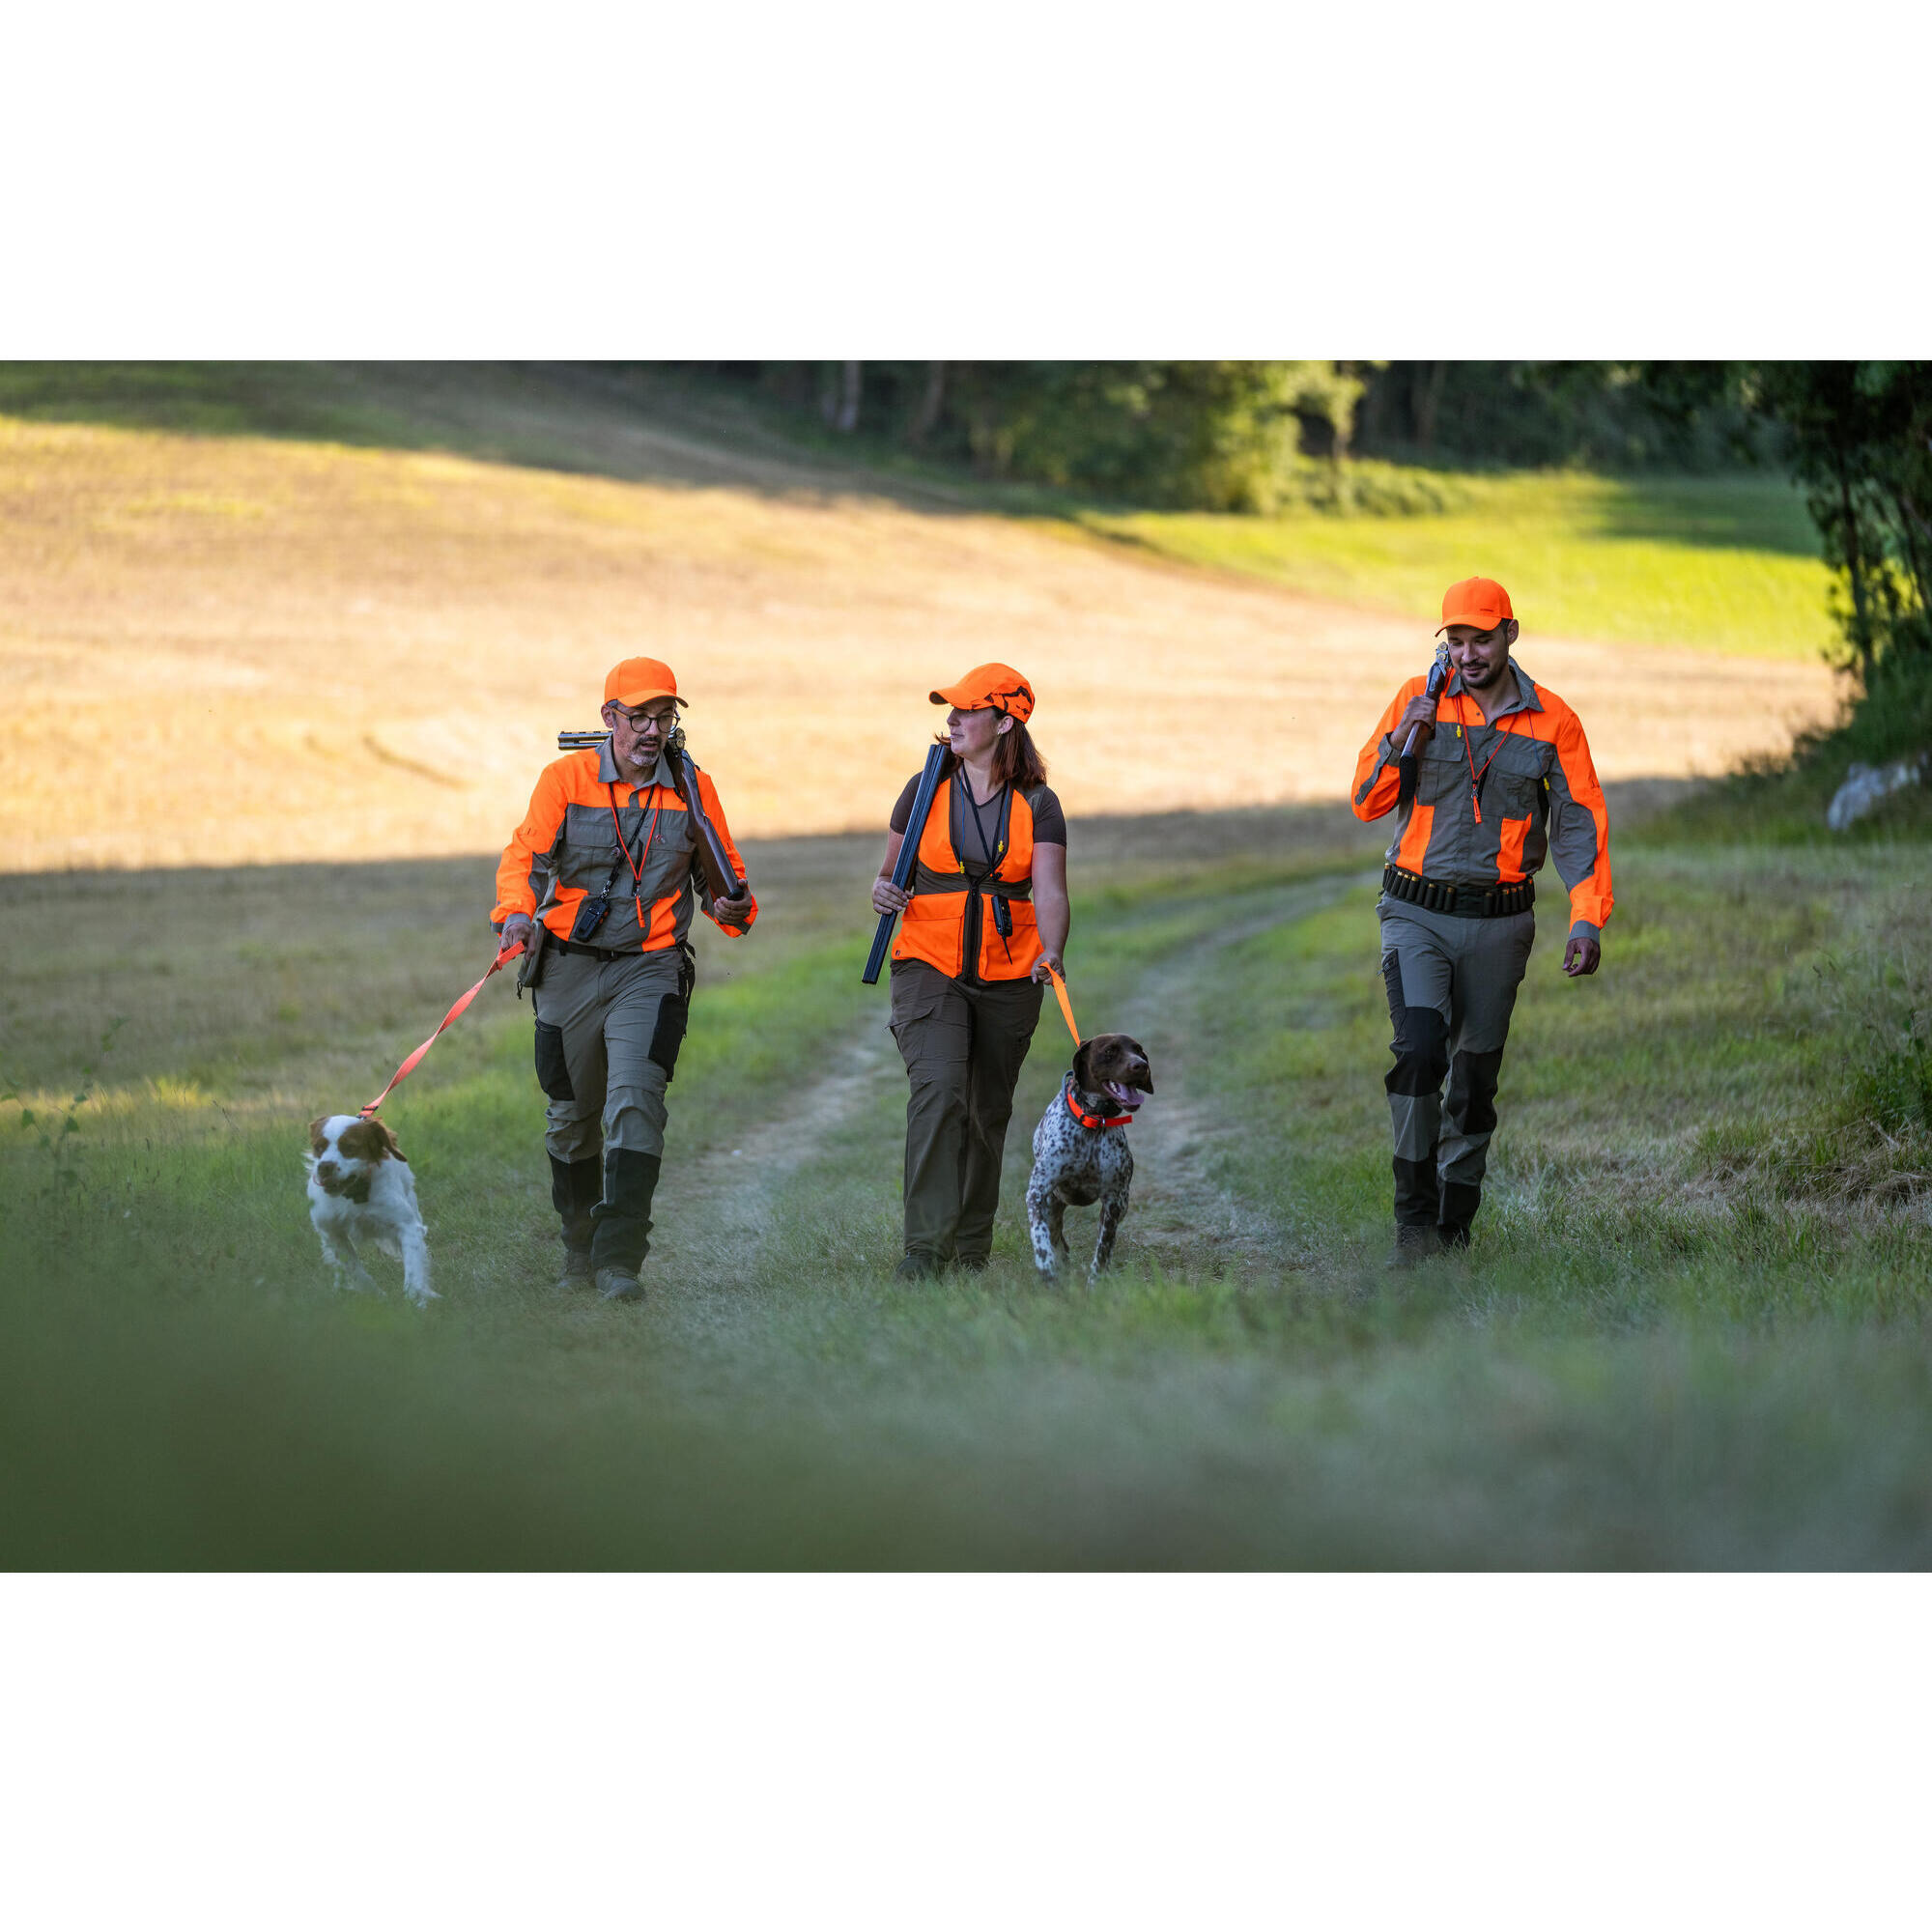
<point>1093,1121</point>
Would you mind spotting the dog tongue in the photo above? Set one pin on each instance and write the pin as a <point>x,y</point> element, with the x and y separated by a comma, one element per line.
<point>1125,1096</point>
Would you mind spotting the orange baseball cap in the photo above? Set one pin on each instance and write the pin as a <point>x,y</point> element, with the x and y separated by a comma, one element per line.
<point>994,686</point>
<point>638,680</point>
<point>1480,601</point>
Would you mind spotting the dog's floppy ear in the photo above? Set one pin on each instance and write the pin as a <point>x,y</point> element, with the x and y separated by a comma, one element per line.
<point>371,1140</point>
<point>1083,1067</point>
<point>316,1137</point>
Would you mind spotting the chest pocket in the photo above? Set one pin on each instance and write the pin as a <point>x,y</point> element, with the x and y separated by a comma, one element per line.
<point>1440,770</point>
<point>1515,779</point>
<point>673,846</point>
<point>590,848</point>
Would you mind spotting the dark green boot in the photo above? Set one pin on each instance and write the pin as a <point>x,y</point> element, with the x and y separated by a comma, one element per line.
<point>621,1238</point>
<point>576,1187</point>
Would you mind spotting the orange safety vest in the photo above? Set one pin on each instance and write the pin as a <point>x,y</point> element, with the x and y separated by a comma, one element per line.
<point>567,847</point>
<point>946,903</point>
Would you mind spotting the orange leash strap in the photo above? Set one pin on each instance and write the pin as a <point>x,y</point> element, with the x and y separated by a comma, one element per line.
<point>1065,1005</point>
<point>410,1065</point>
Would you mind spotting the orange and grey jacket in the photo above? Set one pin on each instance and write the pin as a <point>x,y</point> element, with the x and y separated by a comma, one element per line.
<point>948,915</point>
<point>1535,791</point>
<point>567,848</point>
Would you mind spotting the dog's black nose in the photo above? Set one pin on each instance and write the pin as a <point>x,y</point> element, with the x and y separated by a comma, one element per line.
<point>325,1170</point>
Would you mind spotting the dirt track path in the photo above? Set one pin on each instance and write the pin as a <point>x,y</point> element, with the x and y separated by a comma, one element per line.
<point>1179,1214</point>
<point>718,1212</point>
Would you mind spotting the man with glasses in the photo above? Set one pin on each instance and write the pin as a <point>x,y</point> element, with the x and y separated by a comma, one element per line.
<point>601,875</point>
<point>1485,778</point>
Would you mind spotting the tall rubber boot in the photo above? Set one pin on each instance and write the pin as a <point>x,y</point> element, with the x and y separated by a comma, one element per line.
<point>621,1238</point>
<point>576,1187</point>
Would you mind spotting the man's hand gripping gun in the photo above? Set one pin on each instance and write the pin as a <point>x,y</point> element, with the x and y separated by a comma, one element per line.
<point>1438,676</point>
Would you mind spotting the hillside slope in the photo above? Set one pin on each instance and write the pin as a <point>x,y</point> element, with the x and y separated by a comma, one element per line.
<point>283,649</point>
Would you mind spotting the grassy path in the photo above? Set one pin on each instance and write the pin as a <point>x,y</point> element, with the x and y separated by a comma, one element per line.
<point>717,1213</point>
<point>1182,1214</point>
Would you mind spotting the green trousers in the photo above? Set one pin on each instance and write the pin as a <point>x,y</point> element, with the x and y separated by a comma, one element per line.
<point>963,1046</point>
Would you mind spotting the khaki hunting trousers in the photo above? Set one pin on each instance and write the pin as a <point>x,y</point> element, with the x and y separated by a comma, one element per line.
<point>607,1036</point>
<point>963,1046</point>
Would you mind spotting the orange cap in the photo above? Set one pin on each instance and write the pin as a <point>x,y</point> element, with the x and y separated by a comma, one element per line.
<point>993,687</point>
<point>1480,601</point>
<point>638,680</point>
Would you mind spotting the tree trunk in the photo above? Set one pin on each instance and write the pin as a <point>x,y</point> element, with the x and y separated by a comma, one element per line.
<point>1428,401</point>
<point>1862,636</point>
<point>929,405</point>
<point>848,397</point>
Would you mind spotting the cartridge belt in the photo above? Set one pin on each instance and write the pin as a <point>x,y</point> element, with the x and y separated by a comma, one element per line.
<point>1459,902</point>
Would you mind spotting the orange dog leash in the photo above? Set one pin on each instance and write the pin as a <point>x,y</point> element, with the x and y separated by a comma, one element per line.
<point>410,1065</point>
<point>1065,1005</point>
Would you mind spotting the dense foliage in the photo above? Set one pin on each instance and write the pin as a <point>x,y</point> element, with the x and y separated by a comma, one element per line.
<point>1237,436</point>
<point>1860,438</point>
<point>1215,436</point>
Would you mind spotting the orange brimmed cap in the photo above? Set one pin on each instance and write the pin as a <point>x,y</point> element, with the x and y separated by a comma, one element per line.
<point>992,687</point>
<point>638,680</point>
<point>1480,601</point>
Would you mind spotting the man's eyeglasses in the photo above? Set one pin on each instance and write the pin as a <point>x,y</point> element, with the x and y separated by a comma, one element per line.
<point>638,719</point>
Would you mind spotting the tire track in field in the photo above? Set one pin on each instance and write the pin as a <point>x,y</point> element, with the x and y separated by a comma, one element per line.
<point>717,1213</point>
<point>1179,1213</point>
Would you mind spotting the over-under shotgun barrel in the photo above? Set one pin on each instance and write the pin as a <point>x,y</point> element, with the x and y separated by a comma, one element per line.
<point>902,865</point>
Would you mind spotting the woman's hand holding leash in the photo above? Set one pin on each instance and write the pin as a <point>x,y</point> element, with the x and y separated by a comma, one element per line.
<point>1047,967</point>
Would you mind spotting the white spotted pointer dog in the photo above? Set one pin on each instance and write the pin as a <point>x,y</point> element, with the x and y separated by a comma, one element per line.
<point>360,1189</point>
<point>1080,1152</point>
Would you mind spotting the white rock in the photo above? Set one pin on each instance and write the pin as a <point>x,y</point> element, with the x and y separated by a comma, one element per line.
<point>1866,785</point>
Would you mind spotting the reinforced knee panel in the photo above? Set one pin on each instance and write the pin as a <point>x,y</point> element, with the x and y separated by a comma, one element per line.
<point>552,1068</point>
<point>1421,1042</point>
<point>667,1036</point>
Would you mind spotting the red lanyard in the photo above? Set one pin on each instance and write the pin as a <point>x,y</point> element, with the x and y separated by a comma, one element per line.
<point>1476,777</point>
<point>637,865</point>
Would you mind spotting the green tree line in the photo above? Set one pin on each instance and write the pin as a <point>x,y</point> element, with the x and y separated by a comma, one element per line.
<point>1228,435</point>
<point>1854,436</point>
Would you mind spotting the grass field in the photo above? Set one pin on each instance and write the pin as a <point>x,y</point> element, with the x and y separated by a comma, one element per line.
<point>1723,563</point>
<point>340,613</point>
<point>1693,1331</point>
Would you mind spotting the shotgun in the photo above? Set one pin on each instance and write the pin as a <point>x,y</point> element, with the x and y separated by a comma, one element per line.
<point>902,866</point>
<point>1438,676</point>
<point>722,881</point>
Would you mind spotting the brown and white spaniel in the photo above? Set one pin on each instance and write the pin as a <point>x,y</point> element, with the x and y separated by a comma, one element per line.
<point>360,1190</point>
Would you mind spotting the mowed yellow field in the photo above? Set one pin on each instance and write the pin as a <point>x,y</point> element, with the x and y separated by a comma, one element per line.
<point>229,650</point>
